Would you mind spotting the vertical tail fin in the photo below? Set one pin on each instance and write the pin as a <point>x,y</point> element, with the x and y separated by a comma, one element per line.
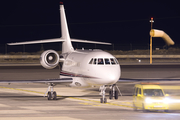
<point>66,45</point>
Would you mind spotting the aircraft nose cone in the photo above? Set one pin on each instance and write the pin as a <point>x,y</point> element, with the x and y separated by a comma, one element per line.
<point>108,75</point>
<point>113,76</point>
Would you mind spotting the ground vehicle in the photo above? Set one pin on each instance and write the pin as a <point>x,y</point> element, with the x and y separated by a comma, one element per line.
<point>149,96</point>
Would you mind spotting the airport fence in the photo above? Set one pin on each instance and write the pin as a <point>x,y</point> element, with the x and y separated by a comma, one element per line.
<point>6,49</point>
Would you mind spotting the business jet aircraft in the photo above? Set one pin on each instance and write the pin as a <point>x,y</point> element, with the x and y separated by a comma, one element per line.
<point>80,68</point>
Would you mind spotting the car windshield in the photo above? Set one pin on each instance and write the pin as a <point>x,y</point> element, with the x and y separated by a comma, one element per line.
<point>153,92</point>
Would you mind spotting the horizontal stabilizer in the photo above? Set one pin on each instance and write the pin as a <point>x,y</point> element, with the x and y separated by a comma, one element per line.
<point>87,41</point>
<point>57,40</point>
<point>38,41</point>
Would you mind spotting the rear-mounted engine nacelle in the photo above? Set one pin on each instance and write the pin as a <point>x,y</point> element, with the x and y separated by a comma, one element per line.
<point>49,59</point>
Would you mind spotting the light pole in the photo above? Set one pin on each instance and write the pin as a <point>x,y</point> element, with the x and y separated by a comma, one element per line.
<point>151,41</point>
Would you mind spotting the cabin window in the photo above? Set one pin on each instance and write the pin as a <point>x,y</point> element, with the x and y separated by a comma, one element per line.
<point>95,61</point>
<point>112,61</point>
<point>91,61</point>
<point>107,62</point>
<point>100,61</point>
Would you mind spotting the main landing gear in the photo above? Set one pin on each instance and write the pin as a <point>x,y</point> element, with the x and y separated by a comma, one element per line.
<point>112,93</point>
<point>51,94</point>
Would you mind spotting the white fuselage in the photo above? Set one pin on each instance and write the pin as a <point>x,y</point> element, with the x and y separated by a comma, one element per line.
<point>83,67</point>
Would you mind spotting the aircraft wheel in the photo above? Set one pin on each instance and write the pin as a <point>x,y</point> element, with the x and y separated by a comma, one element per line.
<point>116,95</point>
<point>110,94</point>
<point>54,95</point>
<point>103,101</point>
<point>49,95</point>
<point>166,110</point>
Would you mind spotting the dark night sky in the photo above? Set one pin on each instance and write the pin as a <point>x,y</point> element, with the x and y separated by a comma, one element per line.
<point>114,21</point>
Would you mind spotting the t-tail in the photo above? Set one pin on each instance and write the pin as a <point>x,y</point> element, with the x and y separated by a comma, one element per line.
<point>66,45</point>
<point>65,38</point>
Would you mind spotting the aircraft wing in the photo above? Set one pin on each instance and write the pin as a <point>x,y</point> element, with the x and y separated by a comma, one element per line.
<point>56,81</point>
<point>147,79</point>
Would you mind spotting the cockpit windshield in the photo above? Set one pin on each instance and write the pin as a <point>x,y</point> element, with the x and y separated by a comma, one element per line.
<point>103,61</point>
<point>100,61</point>
<point>112,61</point>
<point>107,62</point>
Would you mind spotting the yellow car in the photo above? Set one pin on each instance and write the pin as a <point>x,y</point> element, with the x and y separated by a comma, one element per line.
<point>149,96</point>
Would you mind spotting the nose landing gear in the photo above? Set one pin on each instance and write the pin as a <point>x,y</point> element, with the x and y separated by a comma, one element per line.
<point>102,93</point>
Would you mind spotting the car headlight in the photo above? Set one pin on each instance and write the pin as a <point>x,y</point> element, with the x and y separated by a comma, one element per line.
<point>166,100</point>
<point>148,100</point>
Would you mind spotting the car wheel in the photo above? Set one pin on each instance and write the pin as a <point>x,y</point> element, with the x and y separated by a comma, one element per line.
<point>134,107</point>
<point>143,109</point>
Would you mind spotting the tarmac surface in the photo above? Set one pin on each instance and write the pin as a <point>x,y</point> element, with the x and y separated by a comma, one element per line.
<point>26,102</point>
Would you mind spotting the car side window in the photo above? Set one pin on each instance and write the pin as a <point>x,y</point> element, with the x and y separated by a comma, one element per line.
<point>137,91</point>
<point>140,91</point>
<point>134,92</point>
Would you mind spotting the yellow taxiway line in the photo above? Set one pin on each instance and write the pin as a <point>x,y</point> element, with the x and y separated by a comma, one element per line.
<point>114,104</point>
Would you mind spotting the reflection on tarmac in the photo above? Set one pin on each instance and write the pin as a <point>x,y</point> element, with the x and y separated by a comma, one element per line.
<point>27,101</point>
<point>173,92</point>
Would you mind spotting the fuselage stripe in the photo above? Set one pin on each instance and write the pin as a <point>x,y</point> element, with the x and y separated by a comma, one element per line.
<point>63,73</point>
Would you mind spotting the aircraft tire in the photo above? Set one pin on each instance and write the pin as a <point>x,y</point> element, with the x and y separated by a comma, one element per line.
<point>110,94</point>
<point>166,110</point>
<point>105,100</point>
<point>49,95</point>
<point>54,95</point>
<point>116,95</point>
<point>101,100</point>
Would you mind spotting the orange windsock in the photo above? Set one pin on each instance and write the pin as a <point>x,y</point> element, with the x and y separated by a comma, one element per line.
<point>163,35</point>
